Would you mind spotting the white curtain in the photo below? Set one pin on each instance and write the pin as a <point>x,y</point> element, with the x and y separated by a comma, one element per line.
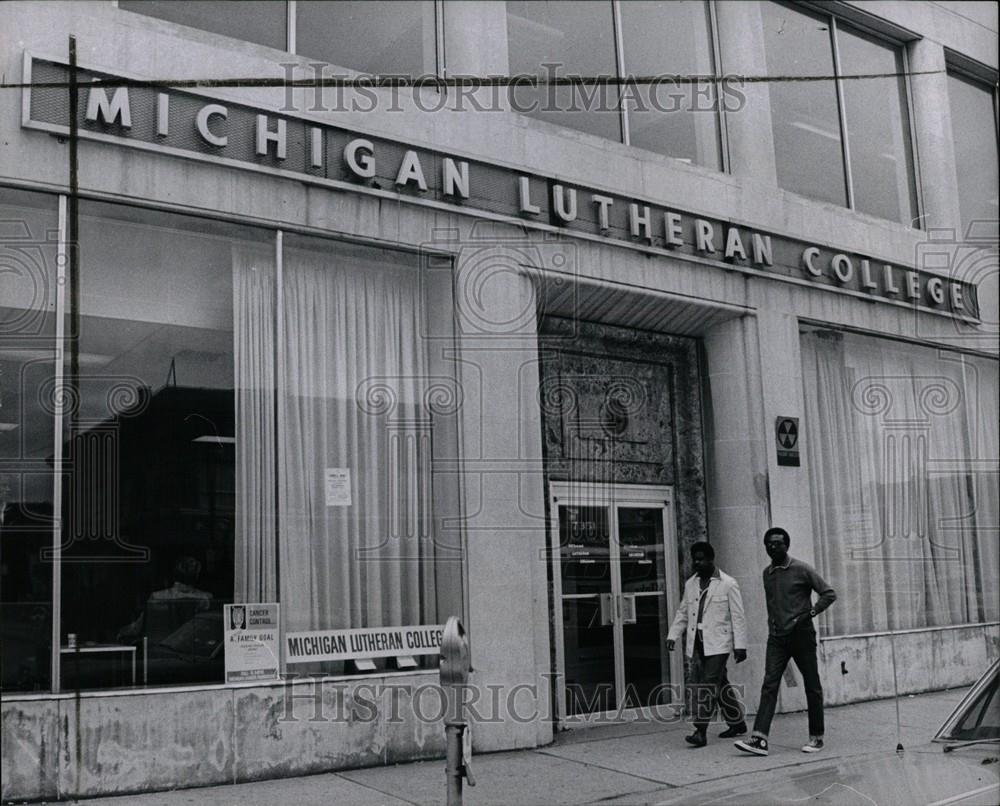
<point>354,378</point>
<point>253,344</point>
<point>894,433</point>
<point>982,379</point>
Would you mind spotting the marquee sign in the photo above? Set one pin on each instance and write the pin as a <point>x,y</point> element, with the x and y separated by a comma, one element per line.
<point>149,116</point>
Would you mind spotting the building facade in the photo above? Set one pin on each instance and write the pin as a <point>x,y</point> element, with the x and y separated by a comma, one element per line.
<point>498,340</point>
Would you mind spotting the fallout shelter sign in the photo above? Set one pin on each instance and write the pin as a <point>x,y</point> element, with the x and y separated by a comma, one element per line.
<point>787,439</point>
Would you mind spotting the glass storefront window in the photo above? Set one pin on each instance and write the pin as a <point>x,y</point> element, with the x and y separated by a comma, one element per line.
<point>679,120</point>
<point>368,392</point>
<point>573,39</point>
<point>29,248</point>
<point>899,439</point>
<point>378,37</point>
<point>150,451</point>
<point>198,442</point>
<point>260,21</point>
<point>974,129</point>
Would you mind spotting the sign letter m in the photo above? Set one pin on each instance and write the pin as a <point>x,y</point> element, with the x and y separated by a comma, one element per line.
<point>98,105</point>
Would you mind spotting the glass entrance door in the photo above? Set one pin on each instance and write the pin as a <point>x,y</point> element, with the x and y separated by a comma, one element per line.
<point>612,588</point>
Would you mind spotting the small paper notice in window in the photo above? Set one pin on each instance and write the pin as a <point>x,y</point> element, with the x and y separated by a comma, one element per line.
<point>338,487</point>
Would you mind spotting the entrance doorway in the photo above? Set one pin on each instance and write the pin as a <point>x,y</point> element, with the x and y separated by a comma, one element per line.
<point>613,550</point>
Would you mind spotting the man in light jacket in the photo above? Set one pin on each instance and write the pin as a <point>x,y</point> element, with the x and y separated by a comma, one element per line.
<point>710,618</point>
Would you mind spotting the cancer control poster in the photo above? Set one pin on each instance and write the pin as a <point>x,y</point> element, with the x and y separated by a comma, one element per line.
<point>251,642</point>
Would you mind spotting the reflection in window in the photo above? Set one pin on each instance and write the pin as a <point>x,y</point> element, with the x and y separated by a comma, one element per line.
<point>974,130</point>
<point>680,120</point>
<point>572,39</point>
<point>378,37</point>
<point>804,116</point>
<point>260,21</point>
<point>28,230</point>
<point>149,505</point>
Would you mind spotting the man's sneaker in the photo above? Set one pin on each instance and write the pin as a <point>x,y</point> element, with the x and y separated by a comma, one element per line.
<point>813,746</point>
<point>755,745</point>
<point>734,730</point>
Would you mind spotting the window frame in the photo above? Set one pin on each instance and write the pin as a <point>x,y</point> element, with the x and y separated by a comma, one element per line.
<point>291,9</point>
<point>972,72</point>
<point>624,124</point>
<point>894,37</point>
<point>62,309</point>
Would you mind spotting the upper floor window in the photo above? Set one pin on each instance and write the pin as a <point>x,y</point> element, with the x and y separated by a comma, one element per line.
<point>839,114</point>
<point>679,119</point>
<point>391,36</point>
<point>569,41</point>
<point>260,21</point>
<point>974,130</point>
<point>563,39</point>
<point>377,37</point>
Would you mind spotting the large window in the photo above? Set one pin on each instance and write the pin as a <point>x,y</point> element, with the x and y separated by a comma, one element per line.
<point>394,37</point>
<point>568,41</point>
<point>29,246</point>
<point>385,37</point>
<point>560,39</point>
<point>974,128</point>
<point>839,114</point>
<point>260,21</point>
<point>901,445</point>
<point>365,389</point>
<point>149,504</point>
<point>205,400</point>
<point>678,119</point>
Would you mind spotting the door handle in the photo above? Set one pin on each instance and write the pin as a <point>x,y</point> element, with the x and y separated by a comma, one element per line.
<point>627,614</point>
<point>607,609</point>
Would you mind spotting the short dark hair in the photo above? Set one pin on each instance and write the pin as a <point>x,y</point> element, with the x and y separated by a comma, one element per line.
<point>187,570</point>
<point>777,530</point>
<point>703,548</point>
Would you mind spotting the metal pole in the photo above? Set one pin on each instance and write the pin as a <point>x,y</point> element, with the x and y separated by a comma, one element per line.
<point>453,767</point>
<point>895,688</point>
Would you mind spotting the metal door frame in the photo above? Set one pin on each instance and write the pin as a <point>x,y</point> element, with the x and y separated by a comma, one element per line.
<point>612,496</point>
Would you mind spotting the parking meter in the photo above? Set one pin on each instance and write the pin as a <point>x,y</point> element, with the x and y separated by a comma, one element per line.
<point>455,667</point>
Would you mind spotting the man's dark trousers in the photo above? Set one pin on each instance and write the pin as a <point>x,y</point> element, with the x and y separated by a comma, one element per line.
<point>710,686</point>
<point>798,645</point>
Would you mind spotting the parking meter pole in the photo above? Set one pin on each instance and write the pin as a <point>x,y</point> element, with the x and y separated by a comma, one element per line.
<point>455,668</point>
<point>454,768</point>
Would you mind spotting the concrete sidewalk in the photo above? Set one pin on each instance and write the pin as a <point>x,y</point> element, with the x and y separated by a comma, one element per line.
<point>637,763</point>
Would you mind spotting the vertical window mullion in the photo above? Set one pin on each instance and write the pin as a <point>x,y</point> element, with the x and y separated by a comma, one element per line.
<point>290,43</point>
<point>59,399</point>
<point>440,56</point>
<point>845,146</point>
<point>616,21</point>
<point>279,406</point>
<point>713,23</point>
<point>917,220</point>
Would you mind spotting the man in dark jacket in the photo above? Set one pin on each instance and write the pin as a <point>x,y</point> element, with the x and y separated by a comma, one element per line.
<point>788,588</point>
